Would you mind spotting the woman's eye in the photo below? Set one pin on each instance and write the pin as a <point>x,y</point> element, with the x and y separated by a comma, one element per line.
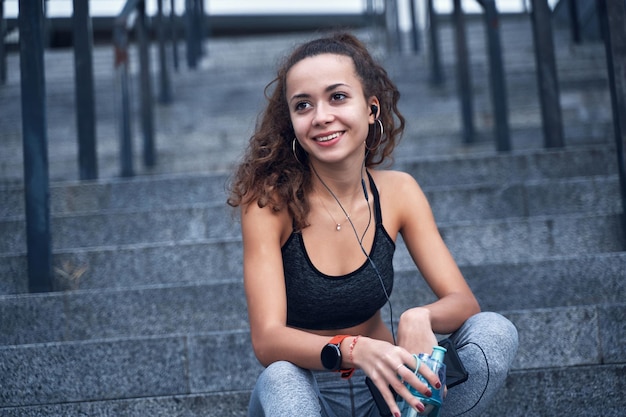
<point>302,106</point>
<point>338,97</point>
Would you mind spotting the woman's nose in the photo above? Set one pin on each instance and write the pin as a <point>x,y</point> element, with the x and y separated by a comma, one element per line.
<point>323,115</point>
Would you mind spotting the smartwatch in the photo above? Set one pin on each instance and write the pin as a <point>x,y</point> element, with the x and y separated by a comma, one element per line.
<point>331,356</point>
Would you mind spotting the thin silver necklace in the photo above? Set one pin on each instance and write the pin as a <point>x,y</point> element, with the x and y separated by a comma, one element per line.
<point>332,194</point>
<point>337,224</point>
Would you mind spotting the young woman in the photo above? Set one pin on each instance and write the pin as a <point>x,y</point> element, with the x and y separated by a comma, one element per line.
<point>319,226</point>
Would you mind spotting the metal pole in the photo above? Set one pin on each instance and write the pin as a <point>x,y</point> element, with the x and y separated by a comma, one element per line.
<point>436,69</point>
<point>35,142</point>
<point>392,31</point>
<point>84,91</point>
<point>45,25</point>
<point>496,76</point>
<point>613,18</point>
<point>3,52</point>
<point>120,39</point>
<point>192,57</point>
<point>415,30</point>
<point>203,28</point>
<point>463,73</point>
<point>165,95</point>
<point>174,33</point>
<point>547,79</point>
<point>126,140</point>
<point>574,20</point>
<point>147,119</point>
<point>370,12</point>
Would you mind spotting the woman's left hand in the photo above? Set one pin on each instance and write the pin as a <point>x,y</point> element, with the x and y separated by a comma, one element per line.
<point>415,333</point>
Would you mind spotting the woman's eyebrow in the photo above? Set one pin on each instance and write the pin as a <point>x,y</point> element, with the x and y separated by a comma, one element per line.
<point>299,96</point>
<point>335,86</point>
<point>326,90</point>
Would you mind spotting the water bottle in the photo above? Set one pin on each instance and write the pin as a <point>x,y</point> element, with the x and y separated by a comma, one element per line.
<point>432,404</point>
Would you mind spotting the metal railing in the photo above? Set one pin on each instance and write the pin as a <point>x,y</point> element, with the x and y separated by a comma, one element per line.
<point>547,80</point>
<point>612,17</point>
<point>121,31</point>
<point>496,70</point>
<point>3,55</point>
<point>613,24</point>
<point>122,28</point>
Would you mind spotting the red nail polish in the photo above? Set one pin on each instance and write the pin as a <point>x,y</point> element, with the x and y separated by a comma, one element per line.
<point>420,407</point>
<point>397,414</point>
<point>438,385</point>
<point>429,393</point>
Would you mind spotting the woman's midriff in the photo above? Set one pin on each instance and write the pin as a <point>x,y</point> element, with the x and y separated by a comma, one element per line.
<point>374,328</point>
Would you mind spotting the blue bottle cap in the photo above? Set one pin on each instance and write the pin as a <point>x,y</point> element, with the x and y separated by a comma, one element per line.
<point>438,353</point>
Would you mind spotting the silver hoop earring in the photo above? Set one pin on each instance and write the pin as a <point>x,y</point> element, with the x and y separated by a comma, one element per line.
<point>293,149</point>
<point>382,129</point>
<point>380,138</point>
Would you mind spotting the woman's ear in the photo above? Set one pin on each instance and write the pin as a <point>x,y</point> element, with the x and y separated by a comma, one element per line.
<point>374,109</point>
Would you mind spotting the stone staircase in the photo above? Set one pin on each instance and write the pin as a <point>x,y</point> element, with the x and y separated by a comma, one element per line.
<point>150,316</point>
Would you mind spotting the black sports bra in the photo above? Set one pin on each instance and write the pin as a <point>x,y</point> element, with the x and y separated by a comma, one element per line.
<point>317,301</point>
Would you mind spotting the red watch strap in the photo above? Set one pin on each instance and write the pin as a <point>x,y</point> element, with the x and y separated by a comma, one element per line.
<point>336,340</point>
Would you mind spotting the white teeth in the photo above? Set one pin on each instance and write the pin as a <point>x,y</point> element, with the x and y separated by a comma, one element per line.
<point>327,138</point>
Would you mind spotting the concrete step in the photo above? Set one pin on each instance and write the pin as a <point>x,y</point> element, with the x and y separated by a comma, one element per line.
<point>485,168</point>
<point>562,281</point>
<point>142,192</point>
<point>470,242</point>
<point>554,398</point>
<point>109,228</point>
<point>211,404</point>
<point>118,369</point>
<point>193,221</point>
<point>203,307</point>
<point>182,364</point>
<point>573,391</point>
<point>430,138</point>
<point>123,313</point>
<point>523,239</point>
<point>525,199</point>
<point>511,167</point>
<point>132,265</point>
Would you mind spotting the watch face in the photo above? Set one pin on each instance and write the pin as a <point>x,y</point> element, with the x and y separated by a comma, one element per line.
<point>331,357</point>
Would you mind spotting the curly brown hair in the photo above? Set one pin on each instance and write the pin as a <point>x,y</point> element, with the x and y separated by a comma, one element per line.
<point>270,173</point>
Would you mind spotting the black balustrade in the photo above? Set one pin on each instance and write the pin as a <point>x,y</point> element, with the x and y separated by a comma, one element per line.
<point>35,142</point>
<point>84,91</point>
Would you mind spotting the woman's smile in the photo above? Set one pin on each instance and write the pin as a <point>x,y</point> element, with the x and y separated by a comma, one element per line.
<point>327,138</point>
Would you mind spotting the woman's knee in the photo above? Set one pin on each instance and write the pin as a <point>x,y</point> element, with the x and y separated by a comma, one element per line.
<point>284,389</point>
<point>499,332</point>
<point>285,375</point>
<point>486,344</point>
<point>494,335</point>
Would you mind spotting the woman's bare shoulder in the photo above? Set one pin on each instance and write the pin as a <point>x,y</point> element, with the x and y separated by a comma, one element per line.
<point>265,222</point>
<point>396,181</point>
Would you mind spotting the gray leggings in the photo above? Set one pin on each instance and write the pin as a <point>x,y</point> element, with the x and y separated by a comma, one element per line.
<point>486,343</point>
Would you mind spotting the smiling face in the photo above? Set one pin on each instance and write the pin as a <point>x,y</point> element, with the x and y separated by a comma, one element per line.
<point>329,112</point>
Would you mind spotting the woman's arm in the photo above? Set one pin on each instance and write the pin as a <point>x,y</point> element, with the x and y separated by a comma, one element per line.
<point>264,231</point>
<point>456,302</point>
